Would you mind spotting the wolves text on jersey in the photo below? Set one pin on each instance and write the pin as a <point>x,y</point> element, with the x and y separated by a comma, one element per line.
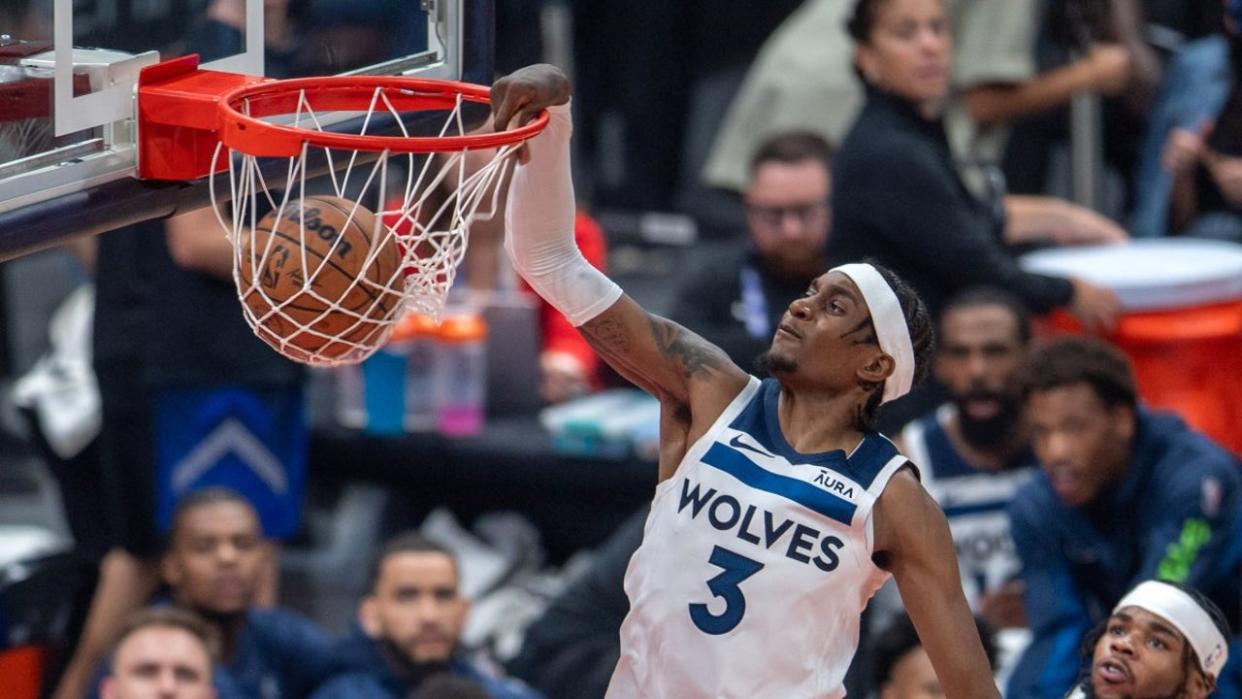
<point>760,527</point>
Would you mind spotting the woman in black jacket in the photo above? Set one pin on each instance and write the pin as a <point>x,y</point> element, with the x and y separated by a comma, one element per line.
<point>898,195</point>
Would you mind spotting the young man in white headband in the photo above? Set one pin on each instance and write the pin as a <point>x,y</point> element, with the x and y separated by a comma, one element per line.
<point>1163,640</point>
<point>779,510</point>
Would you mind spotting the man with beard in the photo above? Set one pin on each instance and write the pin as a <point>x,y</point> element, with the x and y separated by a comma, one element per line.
<point>736,297</point>
<point>409,629</point>
<point>215,561</point>
<point>1163,640</point>
<point>1125,495</point>
<point>973,451</point>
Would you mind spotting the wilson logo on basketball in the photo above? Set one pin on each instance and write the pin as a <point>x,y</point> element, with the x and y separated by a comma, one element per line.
<point>312,219</point>
<point>306,291</point>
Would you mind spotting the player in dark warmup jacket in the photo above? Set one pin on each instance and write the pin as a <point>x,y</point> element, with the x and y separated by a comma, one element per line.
<point>1159,502</point>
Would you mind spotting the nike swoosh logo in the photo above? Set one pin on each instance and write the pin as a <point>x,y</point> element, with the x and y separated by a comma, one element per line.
<point>739,444</point>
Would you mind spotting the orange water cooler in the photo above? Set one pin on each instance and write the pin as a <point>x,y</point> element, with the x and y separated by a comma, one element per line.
<point>1182,322</point>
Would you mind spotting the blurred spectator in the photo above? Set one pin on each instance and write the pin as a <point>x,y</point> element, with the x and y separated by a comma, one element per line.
<point>736,298</point>
<point>899,197</point>
<point>973,452</point>
<point>902,668</point>
<point>1205,158</point>
<point>214,566</point>
<point>1125,495</point>
<point>162,654</point>
<point>410,626</point>
<point>571,651</point>
<point>804,79</point>
<point>1196,85</point>
<point>178,369</point>
<point>1113,37</point>
<point>1161,640</point>
<point>996,69</point>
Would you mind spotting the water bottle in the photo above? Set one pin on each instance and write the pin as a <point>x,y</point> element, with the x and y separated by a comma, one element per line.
<point>421,337</point>
<point>461,374</point>
<point>392,389</point>
<point>351,410</point>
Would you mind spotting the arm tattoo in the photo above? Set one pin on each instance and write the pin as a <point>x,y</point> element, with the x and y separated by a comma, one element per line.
<point>607,335</point>
<point>695,356</point>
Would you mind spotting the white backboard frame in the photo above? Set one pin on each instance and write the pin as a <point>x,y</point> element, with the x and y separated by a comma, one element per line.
<point>115,102</point>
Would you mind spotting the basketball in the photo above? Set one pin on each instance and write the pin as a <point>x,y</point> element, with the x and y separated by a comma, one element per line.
<point>337,295</point>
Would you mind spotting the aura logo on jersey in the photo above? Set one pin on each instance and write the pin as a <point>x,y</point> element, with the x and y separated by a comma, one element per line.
<point>834,484</point>
<point>760,527</point>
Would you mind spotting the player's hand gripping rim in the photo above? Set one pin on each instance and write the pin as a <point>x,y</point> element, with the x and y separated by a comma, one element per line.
<point>520,97</point>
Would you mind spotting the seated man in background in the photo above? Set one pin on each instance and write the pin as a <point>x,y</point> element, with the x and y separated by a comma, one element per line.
<point>165,653</point>
<point>1162,640</point>
<point>973,451</point>
<point>736,300</point>
<point>214,566</point>
<point>410,626</point>
<point>901,667</point>
<point>1125,495</point>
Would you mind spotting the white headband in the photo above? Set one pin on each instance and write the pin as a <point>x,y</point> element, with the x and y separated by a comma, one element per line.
<point>1183,612</point>
<point>890,325</point>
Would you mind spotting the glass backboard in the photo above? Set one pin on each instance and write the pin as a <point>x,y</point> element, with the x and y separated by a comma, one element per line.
<point>68,70</point>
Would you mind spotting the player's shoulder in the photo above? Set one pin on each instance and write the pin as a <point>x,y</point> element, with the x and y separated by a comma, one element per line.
<point>876,460</point>
<point>1180,453</point>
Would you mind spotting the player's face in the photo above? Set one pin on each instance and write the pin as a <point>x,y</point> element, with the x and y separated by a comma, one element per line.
<point>217,558</point>
<point>912,677</point>
<point>826,338</point>
<point>1082,444</point>
<point>1140,656</point>
<point>980,354</point>
<point>909,51</point>
<point>416,606</point>
<point>788,211</point>
<point>160,663</point>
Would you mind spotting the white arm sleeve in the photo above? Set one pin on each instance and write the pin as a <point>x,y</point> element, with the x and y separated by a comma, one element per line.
<point>539,228</point>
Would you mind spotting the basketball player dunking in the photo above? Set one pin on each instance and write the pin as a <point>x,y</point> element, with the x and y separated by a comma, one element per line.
<point>779,510</point>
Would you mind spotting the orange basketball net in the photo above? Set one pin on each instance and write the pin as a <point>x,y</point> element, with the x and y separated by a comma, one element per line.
<point>273,138</point>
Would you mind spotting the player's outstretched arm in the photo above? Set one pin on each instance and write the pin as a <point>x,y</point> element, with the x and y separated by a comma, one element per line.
<point>665,359</point>
<point>912,539</point>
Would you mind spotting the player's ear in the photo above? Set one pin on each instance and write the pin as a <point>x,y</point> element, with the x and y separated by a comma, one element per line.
<point>878,367</point>
<point>1123,420</point>
<point>369,617</point>
<point>1199,685</point>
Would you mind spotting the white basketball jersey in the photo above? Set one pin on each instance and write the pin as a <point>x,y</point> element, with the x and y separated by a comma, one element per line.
<point>755,564</point>
<point>974,503</point>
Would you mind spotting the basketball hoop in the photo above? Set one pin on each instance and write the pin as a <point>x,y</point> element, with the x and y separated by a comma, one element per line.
<point>354,274</point>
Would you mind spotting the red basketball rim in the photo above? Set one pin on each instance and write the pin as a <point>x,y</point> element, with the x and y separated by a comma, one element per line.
<point>249,134</point>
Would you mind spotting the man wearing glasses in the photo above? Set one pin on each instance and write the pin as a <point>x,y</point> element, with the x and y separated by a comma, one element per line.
<point>734,299</point>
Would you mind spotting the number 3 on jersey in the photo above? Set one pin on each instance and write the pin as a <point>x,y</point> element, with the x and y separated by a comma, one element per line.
<point>725,586</point>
